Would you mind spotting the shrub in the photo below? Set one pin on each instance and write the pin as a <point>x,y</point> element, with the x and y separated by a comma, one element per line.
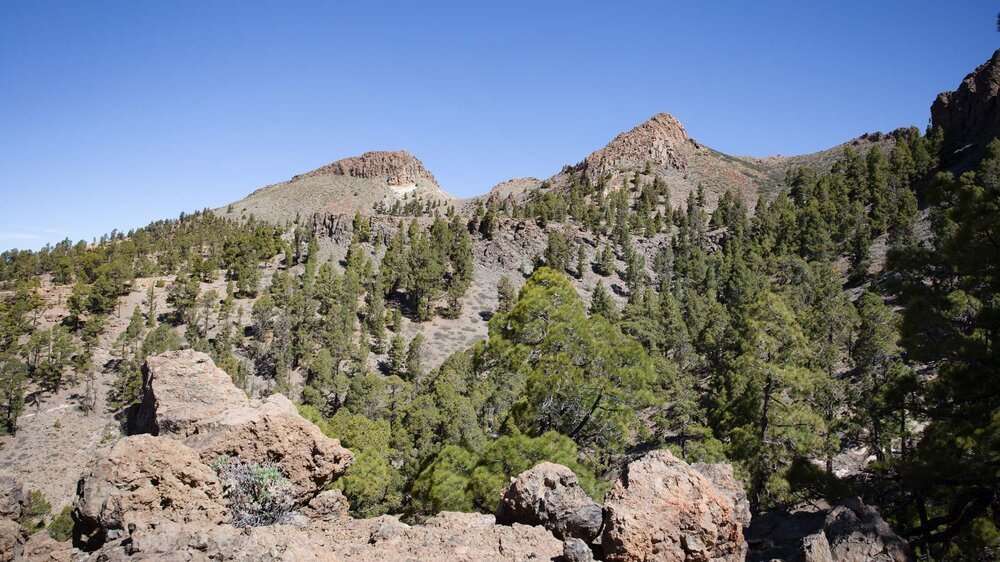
<point>61,528</point>
<point>35,511</point>
<point>259,494</point>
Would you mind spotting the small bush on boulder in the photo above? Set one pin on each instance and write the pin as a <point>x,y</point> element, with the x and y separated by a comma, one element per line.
<point>259,493</point>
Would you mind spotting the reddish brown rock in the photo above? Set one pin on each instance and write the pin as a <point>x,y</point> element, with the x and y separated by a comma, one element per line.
<point>186,397</point>
<point>722,477</point>
<point>662,509</point>
<point>140,482</point>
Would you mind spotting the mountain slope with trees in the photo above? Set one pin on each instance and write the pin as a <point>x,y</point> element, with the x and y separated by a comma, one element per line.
<point>831,334</point>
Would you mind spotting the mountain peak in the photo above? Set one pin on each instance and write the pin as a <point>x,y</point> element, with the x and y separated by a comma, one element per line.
<point>397,167</point>
<point>659,140</point>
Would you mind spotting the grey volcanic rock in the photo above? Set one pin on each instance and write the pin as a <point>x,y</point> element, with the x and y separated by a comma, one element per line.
<point>970,116</point>
<point>12,496</point>
<point>849,531</point>
<point>186,397</point>
<point>575,550</point>
<point>550,495</point>
<point>856,533</point>
<point>662,509</point>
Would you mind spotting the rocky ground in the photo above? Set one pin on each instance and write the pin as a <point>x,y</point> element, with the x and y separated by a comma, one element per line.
<point>157,494</point>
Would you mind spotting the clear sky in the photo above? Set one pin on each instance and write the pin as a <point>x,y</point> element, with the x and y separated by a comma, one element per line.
<point>116,113</point>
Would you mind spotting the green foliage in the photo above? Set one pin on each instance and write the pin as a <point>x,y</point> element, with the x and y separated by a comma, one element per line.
<point>61,527</point>
<point>460,480</point>
<point>36,509</point>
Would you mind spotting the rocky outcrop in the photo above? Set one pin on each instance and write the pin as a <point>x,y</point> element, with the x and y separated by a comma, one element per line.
<point>721,476</point>
<point>12,539</point>
<point>155,495</point>
<point>550,495</point>
<point>658,141</point>
<point>848,531</point>
<point>12,496</point>
<point>970,116</point>
<point>662,509</point>
<point>398,167</point>
<point>186,397</point>
<point>141,481</point>
<point>856,532</point>
<point>330,505</point>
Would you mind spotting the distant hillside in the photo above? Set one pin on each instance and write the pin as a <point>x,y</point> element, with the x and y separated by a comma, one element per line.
<point>345,186</point>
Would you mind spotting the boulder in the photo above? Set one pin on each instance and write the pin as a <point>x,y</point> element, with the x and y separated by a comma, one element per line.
<point>575,550</point>
<point>662,509</point>
<point>40,547</point>
<point>721,476</point>
<point>12,496</point>
<point>856,533</point>
<point>329,505</point>
<point>550,495</point>
<point>186,397</point>
<point>138,483</point>
<point>12,539</point>
<point>848,531</point>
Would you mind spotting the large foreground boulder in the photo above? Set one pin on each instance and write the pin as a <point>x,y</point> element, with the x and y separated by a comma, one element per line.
<point>141,482</point>
<point>186,397</point>
<point>722,477</point>
<point>550,495</point>
<point>663,509</point>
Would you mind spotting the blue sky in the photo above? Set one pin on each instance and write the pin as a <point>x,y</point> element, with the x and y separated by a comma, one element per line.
<point>116,113</point>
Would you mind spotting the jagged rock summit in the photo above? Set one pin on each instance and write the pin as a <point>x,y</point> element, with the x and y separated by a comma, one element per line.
<point>658,141</point>
<point>970,116</point>
<point>398,167</point>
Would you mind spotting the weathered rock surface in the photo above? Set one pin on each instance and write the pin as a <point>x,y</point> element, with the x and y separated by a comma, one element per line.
<point>662,509</point>
<point>721,476</point>
<point>550,495</point>
<point>856,532</point>
<point>657,141</point>
<point>398,167</point>
<point>329,505</point>
<point>12,539</point>
<point>849,531</point>
<point>40,547</point>
<point>447,537</point>
<point>970,116</point>
<point>575,550</point>
<point>140,482</point>
<point>12,496</point>
<point>186,397</point>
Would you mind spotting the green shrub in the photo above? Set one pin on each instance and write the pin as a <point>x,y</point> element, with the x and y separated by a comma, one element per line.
<point>61,528</point>
<point>35,511</point>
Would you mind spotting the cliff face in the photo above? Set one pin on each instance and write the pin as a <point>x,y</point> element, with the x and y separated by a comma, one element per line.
<point>970,116</point>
